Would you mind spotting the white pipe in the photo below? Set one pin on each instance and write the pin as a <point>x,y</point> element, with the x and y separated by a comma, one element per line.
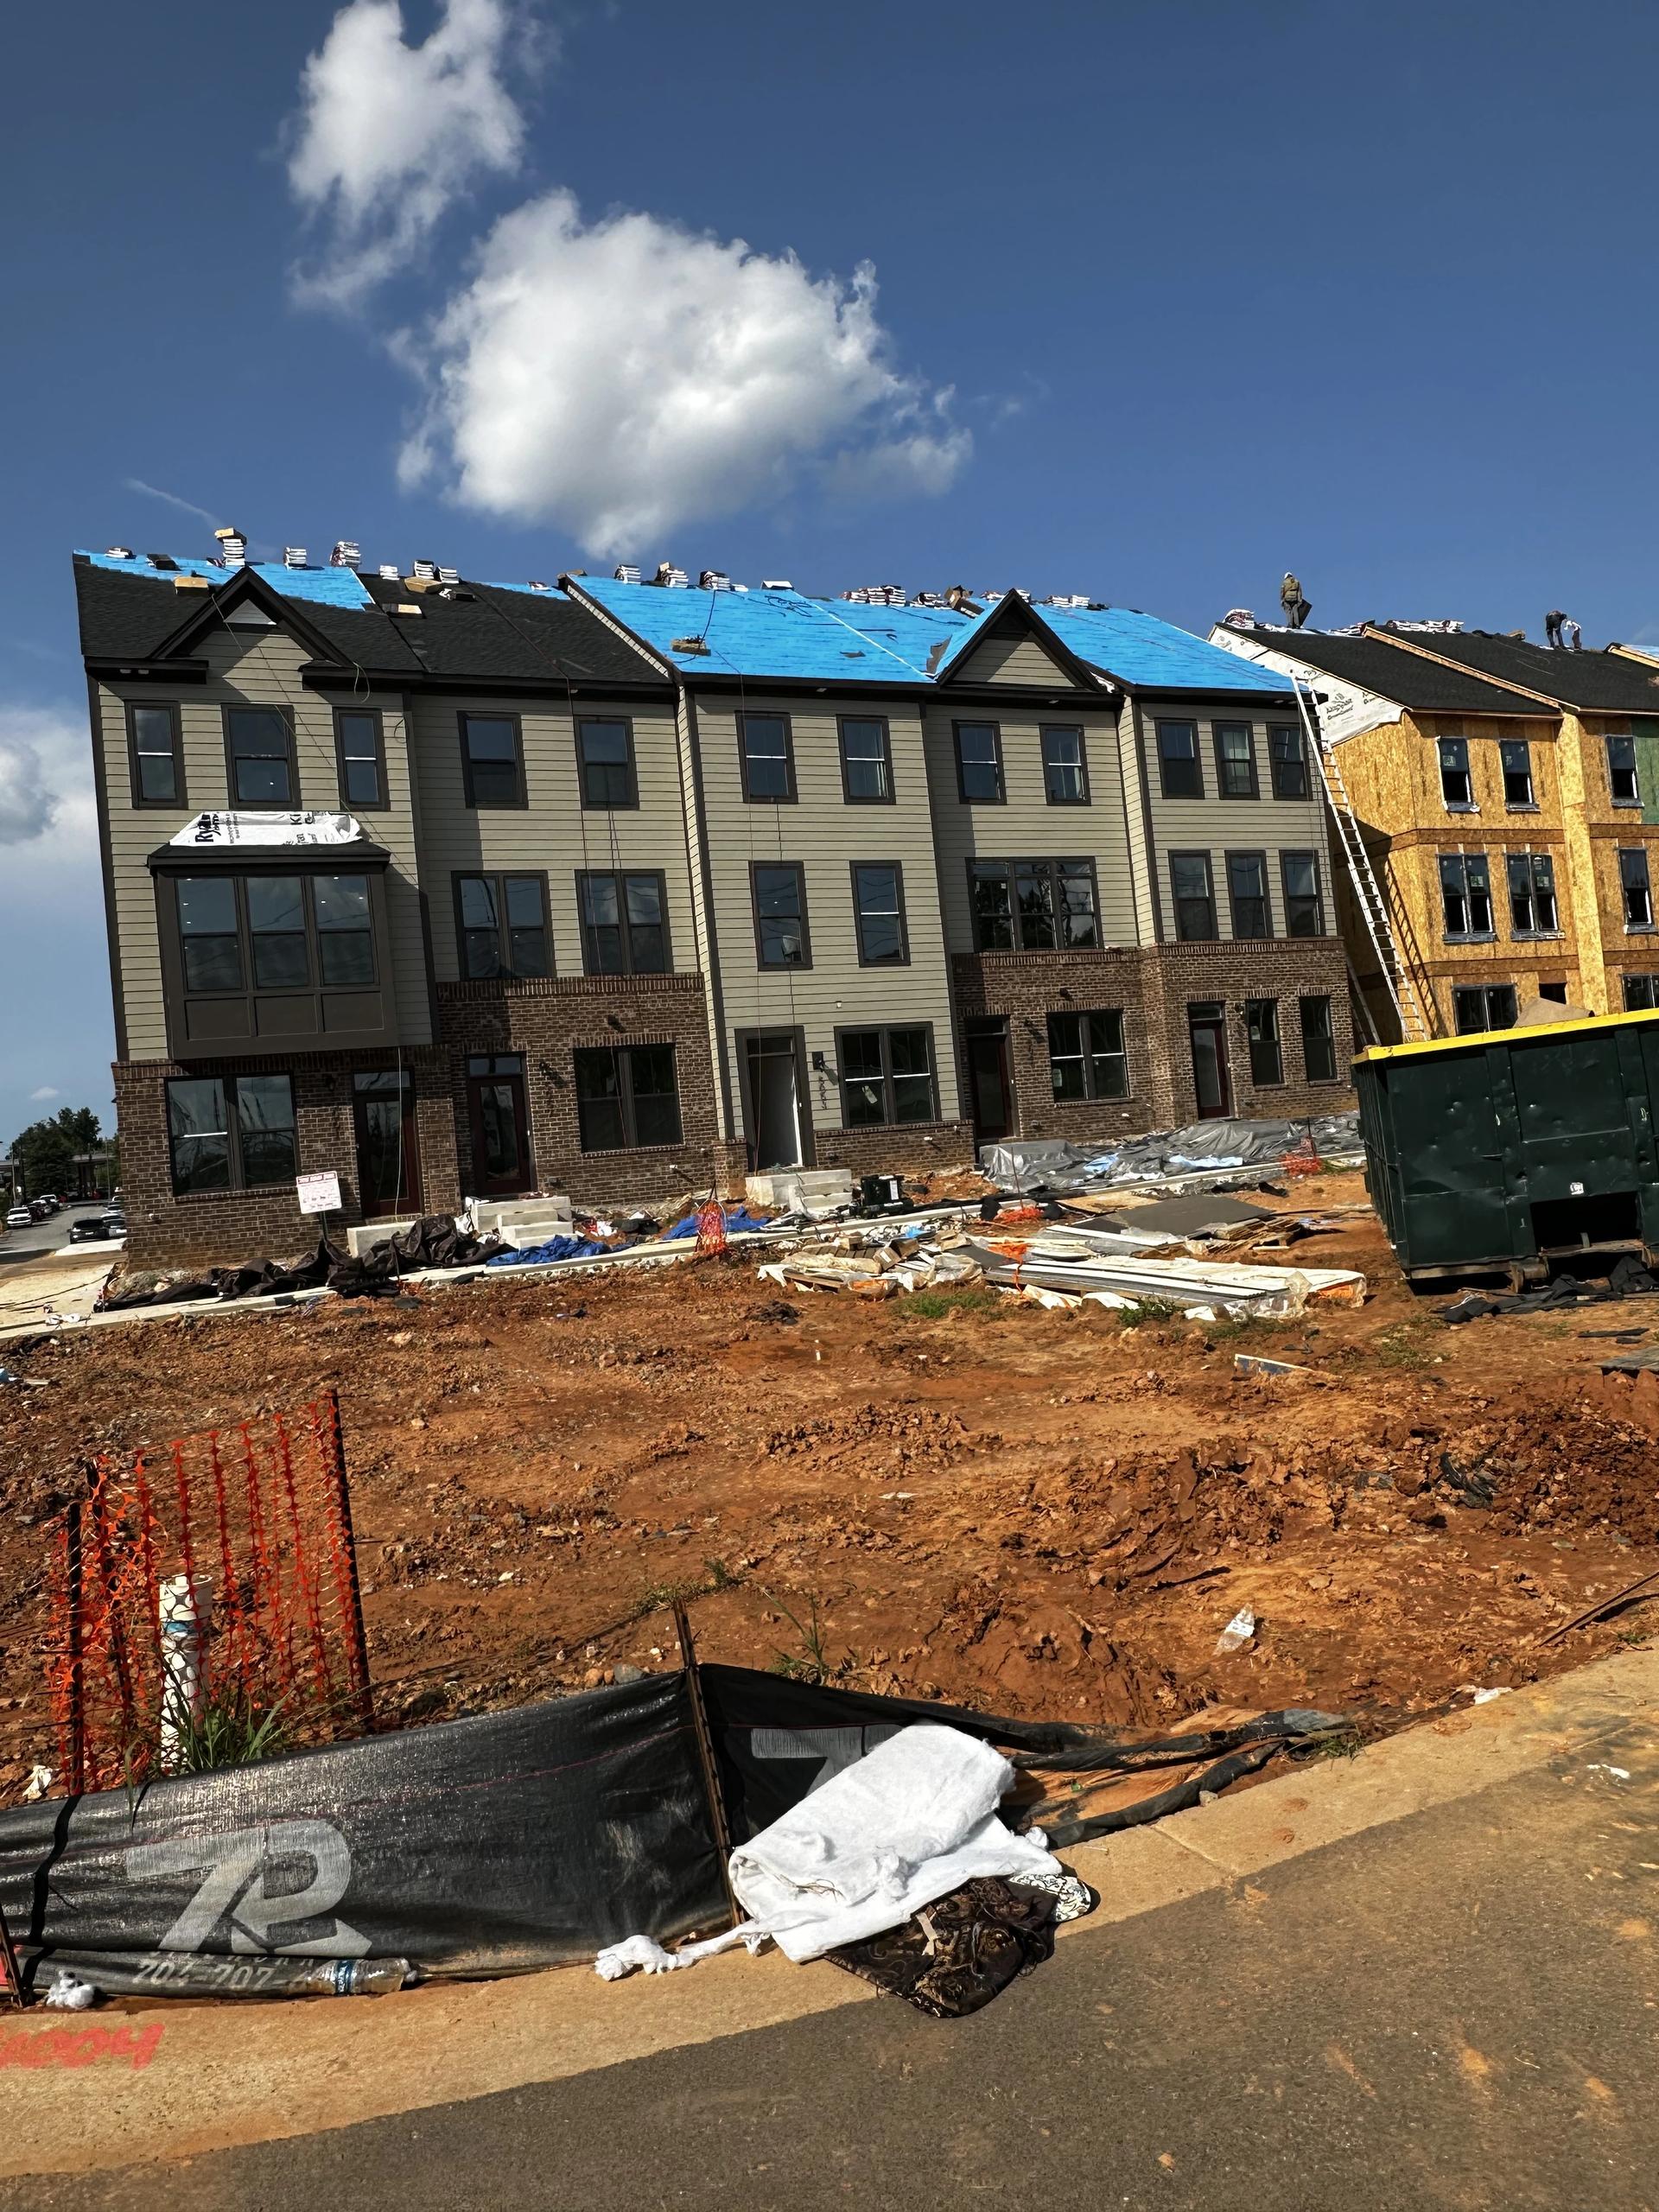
<point>187,1612</point>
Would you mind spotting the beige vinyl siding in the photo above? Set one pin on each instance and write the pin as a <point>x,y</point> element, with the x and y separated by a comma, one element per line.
<point>1027,827</point>
<point>688,739</point>
<point>555,833</point>
<point>248,668</point>
<point>1219,826</point>
<point>825,835</point>
<point>1011,660</point>
<point>1132,771</point>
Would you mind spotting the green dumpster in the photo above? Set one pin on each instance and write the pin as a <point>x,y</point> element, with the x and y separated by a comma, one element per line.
<point>1513,1147</point>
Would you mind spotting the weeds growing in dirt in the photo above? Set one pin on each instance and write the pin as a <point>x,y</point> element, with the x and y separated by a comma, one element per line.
<point>939,1305</point>
<point>1149,1309</point>
<point>811,1663</point>
<point>228,1728</point>
<point>1406,1345</point>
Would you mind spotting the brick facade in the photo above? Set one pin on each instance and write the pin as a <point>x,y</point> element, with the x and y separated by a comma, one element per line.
<point>1152,986</point>
<point>547,1021</point>
<point>221,1227</point>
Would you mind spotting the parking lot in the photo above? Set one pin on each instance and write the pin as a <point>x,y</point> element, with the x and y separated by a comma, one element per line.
<point>44,1238</point>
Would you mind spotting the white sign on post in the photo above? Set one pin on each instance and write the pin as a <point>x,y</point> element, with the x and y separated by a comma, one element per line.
<point>319,1193</point>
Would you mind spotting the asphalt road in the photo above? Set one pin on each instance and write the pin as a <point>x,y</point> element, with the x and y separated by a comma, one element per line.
<point>48,1236</point>
<point>1454,2010</point>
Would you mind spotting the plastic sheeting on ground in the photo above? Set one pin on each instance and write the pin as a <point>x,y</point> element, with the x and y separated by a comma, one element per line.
<point>1024,1164</point>
<point>433,1242</point>
<point>912,1819</point>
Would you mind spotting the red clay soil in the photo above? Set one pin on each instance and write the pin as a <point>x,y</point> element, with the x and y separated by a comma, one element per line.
<point>1047,1514</point>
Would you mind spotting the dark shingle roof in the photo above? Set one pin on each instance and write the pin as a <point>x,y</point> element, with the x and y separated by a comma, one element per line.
<point>1604,681</point>
<point>496,635</point>
<point>1375,665</point>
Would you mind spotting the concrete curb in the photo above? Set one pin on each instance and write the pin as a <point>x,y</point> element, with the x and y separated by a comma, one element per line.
<point>78,2093</point>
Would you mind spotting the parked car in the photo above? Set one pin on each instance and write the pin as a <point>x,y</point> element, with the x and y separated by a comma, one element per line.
<point>97,1228</point>
<point>19,1217</point>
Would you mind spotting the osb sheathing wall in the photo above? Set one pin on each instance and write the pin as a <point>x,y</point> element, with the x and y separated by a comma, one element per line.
<point>1393,777</point>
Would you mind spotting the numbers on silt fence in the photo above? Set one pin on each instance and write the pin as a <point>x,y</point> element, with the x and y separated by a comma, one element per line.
<point>203,1602</point>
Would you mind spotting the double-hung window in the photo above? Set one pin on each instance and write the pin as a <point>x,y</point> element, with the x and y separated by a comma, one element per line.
<point>1638,889</point>
<point>1086,1059</point>
<point>1286,750</point>
<point>1624,784</point>
<point>1477,1006</point>
<point>1516,753</point>
<point>1303,908</point>
<point>501,921</point>
<point>878,912</point>
<point>230,1132</point>
<point>767,750</point>
<point>1066,769</point>
<point>1532,894</point>
<point>1465,895</point>
<point>359,750</point>
<point>605,756</point>
<point>865,760</point>
<point>1247,893</point>
<point>210,934</point>
<point>491,762</point>
<point>155,756</point>
<point>1235,760</point>
<point>887,1075</point>
<point>627,1095</point>
<point>979,764</point>
<point>624,931</point>
<point>1457,786</point>
<point>780,892</point>
<point>1194,895</point>
<point>1267,1054</point>
<point>1640,994</point>
<point>1319,1040</point>
<point>260,757</point>
<point>1180,774</point>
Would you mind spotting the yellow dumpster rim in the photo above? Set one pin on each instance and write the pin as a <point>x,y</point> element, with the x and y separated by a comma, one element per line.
<point>1512,1036</point>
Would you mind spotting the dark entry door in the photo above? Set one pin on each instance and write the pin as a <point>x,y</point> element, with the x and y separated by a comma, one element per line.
<point>1206,1022</point>
<point>772,1093</point>
<point>500,1120</point>
<point>989,1077</point>
<point>382,1109</point>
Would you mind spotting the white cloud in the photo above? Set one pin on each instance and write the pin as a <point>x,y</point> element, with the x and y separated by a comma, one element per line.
<point>45,773</point>
<point>621,376</point>
<point>39,1097</point>
<point>389,134</point>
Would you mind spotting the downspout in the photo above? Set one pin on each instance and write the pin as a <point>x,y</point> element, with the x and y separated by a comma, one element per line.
<point>696,831</point>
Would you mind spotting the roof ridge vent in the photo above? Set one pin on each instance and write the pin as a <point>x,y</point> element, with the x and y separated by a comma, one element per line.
<point>391,573</point>
<point>346,553</point>
<point>714,580</point>
<point>233,546</point>
<point>669,577</point>
<point>625,573</point>
<point>294,556</point>
<point>776,583</point>
<point>448,575</point>
<point>425,572</point>
<point>118,553</point>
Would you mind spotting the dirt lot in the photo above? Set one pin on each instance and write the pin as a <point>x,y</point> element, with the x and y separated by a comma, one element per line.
<point>1039,1513</point>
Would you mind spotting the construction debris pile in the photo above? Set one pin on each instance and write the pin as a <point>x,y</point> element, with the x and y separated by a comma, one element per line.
<point>1049,1165</point>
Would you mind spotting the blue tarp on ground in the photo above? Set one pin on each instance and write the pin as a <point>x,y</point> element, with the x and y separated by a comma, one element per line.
<point>738,1220</point>
<point>556,1248</point>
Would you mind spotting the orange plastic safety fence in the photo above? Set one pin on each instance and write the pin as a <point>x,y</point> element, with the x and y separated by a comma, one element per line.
<point>236,1580</point>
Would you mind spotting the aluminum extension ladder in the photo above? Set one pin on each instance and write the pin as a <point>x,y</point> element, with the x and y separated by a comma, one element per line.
<point>1415,1022</point>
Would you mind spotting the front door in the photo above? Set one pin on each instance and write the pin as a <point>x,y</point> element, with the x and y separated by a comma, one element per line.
<point>1206,1022</point>
<point>500,1122</point>
<point>776,1136</point>
<point>382,1110</point>
<point>990,1079</point>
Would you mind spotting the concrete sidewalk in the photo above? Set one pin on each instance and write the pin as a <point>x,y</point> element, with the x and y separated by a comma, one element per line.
<point>1427,1976</point>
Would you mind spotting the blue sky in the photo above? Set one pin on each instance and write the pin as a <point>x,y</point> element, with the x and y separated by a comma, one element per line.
<point>1168,297</point>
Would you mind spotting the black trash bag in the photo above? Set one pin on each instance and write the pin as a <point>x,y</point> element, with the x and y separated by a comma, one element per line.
<point>432,1242</point>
